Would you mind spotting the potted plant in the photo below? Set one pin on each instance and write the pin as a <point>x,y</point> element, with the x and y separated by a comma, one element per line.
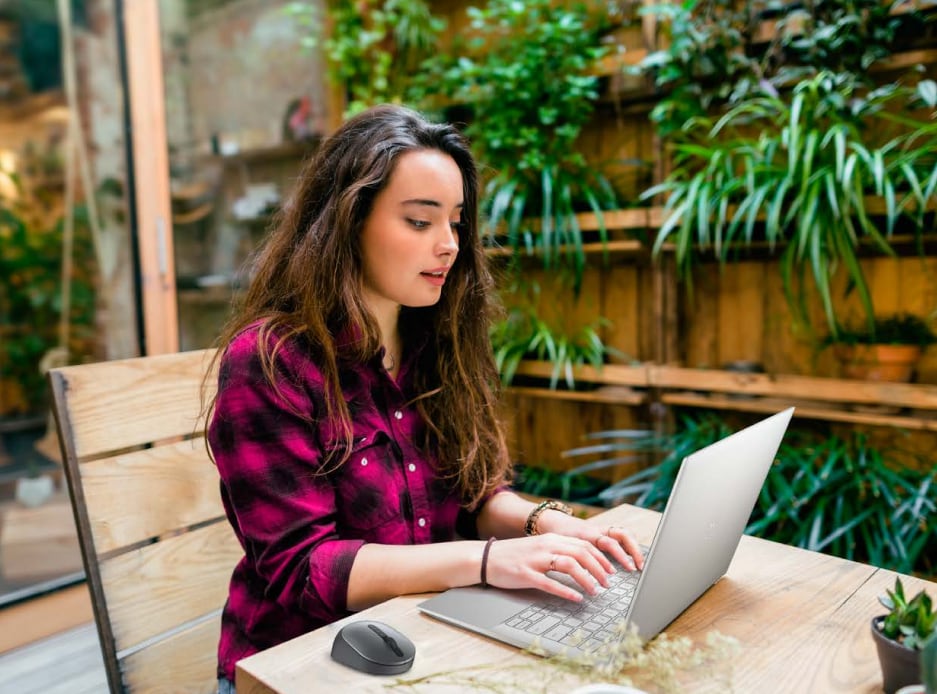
<point>900,636</point>
<point>526,82</point>
<point>888,350</point>
<point>815,173</point>
<point>373,47</point>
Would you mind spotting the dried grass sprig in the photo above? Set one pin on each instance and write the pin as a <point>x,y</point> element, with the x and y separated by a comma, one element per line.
<point>661,666</point>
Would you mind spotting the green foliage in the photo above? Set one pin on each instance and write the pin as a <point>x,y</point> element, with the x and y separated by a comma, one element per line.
<point>850,499</point>
<point>713,57</point>
<point>845,35</point>
<point>524,335</point>
<point>526,78</point>
<point>823,493</point>
<point>31,296</point>
<point>704,59</point>
<point>539,480</point>
<point>898,329</point>
<point>375,47</point>
<point>910,622</point>
<point>797,172</point>
<point>650,487</point>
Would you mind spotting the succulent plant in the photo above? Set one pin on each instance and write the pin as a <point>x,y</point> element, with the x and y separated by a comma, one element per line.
<point>909,622</point>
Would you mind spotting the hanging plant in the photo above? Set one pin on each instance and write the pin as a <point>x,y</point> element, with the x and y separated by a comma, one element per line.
<point>526,78</point>
<point>373,47</point>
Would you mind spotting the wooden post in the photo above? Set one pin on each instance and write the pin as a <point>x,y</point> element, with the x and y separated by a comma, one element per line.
<point>151,176</point>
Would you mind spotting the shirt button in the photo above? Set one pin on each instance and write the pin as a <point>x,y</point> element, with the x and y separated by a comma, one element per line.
<point>364,461</point>
<point>421,522</point>
<point>411,467</point>
<point>398,415</point>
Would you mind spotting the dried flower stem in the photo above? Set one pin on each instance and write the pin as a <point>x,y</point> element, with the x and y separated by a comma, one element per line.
<point>663,665</point>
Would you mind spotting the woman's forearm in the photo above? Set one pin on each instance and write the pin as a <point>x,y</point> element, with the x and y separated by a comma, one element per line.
<point>505,515</point>
<point>381,572</point>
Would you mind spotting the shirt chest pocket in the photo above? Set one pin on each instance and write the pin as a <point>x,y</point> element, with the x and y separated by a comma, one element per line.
<point>369,486</point>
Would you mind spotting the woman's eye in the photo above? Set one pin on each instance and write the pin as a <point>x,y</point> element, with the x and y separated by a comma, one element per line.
<point>419,223</point>
<point>457,227</point>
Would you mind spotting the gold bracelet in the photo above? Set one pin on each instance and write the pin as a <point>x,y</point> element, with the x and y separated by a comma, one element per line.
<point>530,527</point>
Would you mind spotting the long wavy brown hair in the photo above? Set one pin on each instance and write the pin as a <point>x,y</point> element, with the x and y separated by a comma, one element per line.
<point>307,279</point>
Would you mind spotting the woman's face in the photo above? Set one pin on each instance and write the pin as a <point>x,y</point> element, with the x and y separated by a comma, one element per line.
<point>411,238</point>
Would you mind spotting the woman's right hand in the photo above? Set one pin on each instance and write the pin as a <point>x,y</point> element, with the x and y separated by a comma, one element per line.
<point>524,562</point>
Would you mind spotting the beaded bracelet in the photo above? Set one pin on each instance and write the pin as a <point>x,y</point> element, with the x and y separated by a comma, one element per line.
<point>530,527</point>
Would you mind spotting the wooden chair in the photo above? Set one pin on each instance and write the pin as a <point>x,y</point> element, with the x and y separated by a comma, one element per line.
<point>157,550</point>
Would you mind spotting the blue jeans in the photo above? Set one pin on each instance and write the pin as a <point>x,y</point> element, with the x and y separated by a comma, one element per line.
<point>225,686</point>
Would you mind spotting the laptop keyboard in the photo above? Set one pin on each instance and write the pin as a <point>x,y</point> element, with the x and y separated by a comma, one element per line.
<point>584,625</point>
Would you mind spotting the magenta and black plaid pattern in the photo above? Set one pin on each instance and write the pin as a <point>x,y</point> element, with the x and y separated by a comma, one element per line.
<point>301,529</point>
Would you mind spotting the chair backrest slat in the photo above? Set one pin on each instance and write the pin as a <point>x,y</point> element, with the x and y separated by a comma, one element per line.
<point>172,482</point>
<point>185,662</point>
<point>160,586</point>
<point>114,403</point>
<point>157,549</point>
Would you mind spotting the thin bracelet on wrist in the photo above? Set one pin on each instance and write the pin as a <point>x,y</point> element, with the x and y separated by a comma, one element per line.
<point>484,570</point>
<point>530,527</point>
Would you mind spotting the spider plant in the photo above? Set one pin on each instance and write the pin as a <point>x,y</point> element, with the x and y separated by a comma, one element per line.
<point>841,496</point>
<point>852,499</point>
<point>542,481</point>
<point>649,487</point>
<point>800,173</point>
<point>524,335</point>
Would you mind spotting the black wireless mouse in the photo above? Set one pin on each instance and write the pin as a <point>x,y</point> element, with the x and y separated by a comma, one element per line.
<point>373,647</point>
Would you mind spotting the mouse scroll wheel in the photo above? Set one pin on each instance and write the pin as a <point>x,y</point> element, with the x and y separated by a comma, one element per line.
<point>387,639</point>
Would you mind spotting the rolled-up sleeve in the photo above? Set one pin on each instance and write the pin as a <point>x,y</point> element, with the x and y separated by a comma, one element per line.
<point>281,505</point>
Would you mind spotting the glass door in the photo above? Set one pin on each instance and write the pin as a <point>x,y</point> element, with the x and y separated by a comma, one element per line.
<point>244,104</point>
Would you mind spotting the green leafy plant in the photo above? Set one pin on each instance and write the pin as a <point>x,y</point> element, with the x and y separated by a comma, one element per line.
<point>909,622</point>
<point>706,56</point>
<point>851,499</point>
<point>845,497</point>
<point>524,335</point>
<point>525,78</point>
<point>797,174</point>
<point>374,48</point>
<point>542,481</point>
<point>715,54</point>
<point>650,487</point>
<point>897,329</point>
<point>31,297</point>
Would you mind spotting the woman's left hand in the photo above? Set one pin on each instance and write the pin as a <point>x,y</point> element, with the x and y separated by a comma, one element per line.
<point>613,540</point>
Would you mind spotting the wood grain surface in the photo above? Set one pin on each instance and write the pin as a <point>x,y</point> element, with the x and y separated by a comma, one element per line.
<point>801,618</point>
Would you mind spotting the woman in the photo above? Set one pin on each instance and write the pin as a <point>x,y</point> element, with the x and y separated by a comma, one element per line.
<point>355,426</point>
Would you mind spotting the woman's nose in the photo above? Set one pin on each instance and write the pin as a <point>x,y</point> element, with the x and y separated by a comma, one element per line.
<point>449,242</point>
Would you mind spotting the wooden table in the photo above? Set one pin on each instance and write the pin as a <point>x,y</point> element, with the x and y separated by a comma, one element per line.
<point>802,620</point>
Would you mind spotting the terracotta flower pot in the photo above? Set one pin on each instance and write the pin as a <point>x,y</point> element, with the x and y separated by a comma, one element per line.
<point>878,362</point>
<point>901,665</point>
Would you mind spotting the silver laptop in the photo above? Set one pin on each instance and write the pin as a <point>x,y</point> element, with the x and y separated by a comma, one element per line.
<point>706,514</point>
